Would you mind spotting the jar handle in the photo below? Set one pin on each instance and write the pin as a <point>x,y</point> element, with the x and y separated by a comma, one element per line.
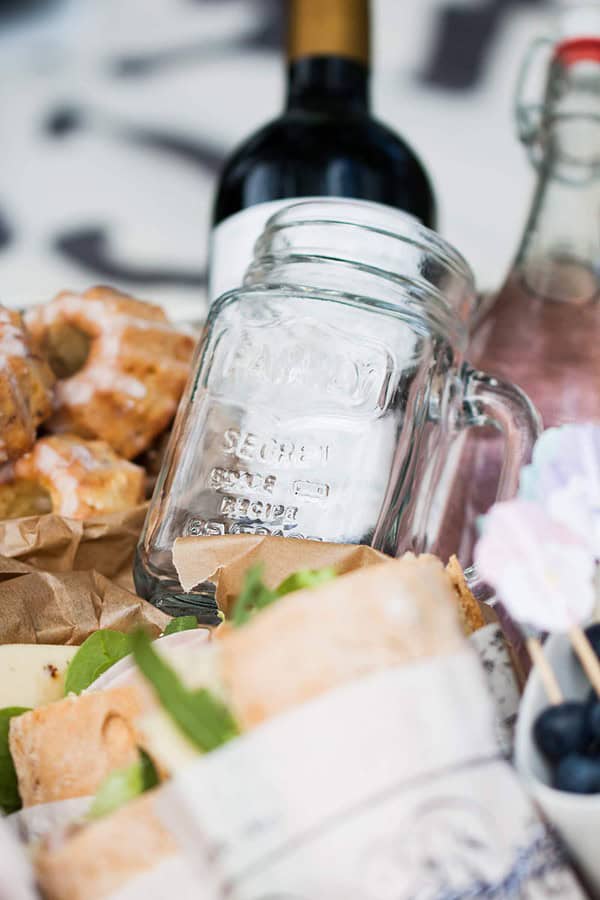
<point>486,401</point>
<point>490,401</point>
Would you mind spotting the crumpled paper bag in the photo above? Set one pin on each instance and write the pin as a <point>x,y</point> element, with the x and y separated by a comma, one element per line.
<point>48,608</point>
<point>55,544</point>
<point>62,579</point>
<point>224,561</point>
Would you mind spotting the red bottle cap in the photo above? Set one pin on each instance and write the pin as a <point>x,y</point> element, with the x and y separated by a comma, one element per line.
<point>575,50</point>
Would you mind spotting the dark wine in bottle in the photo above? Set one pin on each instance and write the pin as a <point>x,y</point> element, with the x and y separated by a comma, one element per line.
<point>326,143</point>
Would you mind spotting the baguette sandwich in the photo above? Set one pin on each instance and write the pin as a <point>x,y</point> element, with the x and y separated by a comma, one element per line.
<point>67,748</point>
<point>302,646</point>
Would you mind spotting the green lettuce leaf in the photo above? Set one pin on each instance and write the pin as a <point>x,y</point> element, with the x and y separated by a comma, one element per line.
<point>124,785</point>
<point>181,623</point>
<point>204,720</point>
<point>255,595</point>
<point>305,578</point>
<point>99,652</point>
<point>10,800</point>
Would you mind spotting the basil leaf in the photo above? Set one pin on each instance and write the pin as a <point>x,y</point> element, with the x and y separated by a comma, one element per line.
<point>10,800</point>
<point>124,785</point>
<point>254,595</point>
<point>204,720</point>
<point>181,623</point>
<point>99,652</point>
<point>305,578</point>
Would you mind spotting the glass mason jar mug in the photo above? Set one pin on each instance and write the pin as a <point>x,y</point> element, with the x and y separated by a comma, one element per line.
<point>326,394</point>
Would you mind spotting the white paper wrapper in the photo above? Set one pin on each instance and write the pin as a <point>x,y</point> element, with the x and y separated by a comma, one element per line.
<point>389,788</point>
<point>173,877</point>
<point>501,680</point>
<point>17,881</point>
<point>33,822</point>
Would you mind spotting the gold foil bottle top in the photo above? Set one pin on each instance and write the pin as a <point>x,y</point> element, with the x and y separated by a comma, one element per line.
<point>329,28</point>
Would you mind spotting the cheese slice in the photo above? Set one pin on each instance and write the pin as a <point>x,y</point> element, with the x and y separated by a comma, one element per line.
<point>33,674</point>
<point>165,742</point>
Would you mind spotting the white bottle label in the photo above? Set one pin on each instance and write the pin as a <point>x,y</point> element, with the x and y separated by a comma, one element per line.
<point>232,244</point>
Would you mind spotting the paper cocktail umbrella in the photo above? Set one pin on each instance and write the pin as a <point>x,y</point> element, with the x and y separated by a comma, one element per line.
<point>564,478</point>
<point>544,574</point>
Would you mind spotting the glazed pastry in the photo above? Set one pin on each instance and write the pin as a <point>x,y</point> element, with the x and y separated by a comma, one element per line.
<point>95,734</point>
<point>25,388</point>
<point>22,497</point>
<point>121,366</point>
<point>72,477</point>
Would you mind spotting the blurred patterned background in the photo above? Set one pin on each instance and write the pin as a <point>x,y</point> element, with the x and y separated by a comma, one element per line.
<point>115,116</point>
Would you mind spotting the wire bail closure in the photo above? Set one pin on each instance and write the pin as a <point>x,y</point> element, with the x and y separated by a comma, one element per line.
<point>539,104</point>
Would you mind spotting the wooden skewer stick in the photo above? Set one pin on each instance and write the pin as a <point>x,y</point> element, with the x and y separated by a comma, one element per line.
<point>538,657</point>
<point>587,657</point>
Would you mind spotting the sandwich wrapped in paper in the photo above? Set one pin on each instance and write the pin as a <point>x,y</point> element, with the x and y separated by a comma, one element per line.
<point>337,743</point>
<point>106,725</point>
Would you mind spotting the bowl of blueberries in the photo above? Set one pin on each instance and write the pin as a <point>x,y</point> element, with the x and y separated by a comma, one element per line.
<point>557,752</point>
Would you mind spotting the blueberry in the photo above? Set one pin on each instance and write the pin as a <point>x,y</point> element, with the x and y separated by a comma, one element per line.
<point>562,729</point>
<point>593,719</point>
<point>591,698</point>
<point>578,774</point>
<point>593,636</point>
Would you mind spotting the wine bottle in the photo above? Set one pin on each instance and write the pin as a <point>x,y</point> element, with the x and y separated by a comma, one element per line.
<point>326,143</point>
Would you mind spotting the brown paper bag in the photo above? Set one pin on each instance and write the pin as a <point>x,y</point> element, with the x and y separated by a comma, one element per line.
<point>55,544</point>
<point>61,579</point>
<point>224,561</point>
<point>48,608</point>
